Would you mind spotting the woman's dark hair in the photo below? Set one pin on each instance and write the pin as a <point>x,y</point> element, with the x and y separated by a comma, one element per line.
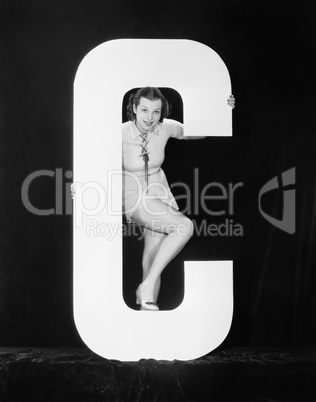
<point>150,93</point>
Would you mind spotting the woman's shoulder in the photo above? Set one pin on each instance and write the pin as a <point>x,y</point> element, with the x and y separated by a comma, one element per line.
<point>173,128</point>
<point>127,125</point>
<point>171,123</point>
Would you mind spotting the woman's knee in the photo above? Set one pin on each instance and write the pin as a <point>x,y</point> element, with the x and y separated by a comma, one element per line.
<point>189,227</point>
<point>184,227</point>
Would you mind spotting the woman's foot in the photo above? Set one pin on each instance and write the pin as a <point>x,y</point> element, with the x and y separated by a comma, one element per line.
<point>144,304</point>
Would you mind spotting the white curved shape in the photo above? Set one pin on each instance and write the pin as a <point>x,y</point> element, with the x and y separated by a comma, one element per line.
<point>103,320</point>
<point>195,328</point>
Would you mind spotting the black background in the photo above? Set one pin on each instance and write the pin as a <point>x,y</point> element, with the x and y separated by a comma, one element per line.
<point>268,48</point>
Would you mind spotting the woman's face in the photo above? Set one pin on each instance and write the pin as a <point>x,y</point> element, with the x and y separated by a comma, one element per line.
<point>148,114</point>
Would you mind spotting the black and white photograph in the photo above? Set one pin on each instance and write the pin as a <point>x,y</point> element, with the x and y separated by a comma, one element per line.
<point>158,193</point>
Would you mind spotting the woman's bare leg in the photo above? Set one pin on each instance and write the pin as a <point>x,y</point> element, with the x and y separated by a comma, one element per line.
<point>151,246</point>
<point>159,217</point>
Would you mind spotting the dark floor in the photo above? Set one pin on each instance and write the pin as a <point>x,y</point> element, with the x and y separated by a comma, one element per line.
<point>232,374</point>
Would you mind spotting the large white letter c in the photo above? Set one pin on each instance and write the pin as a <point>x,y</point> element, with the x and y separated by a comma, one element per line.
<point>105,323</point>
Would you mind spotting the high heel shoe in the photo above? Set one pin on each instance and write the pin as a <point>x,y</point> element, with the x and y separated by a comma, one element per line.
<point>145,305</point>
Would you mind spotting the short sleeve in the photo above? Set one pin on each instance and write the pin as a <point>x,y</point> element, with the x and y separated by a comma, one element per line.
<point>174,129</point>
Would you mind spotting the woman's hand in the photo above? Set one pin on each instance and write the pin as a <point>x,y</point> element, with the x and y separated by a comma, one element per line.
<point>72,190</point>
<point>231,101</point>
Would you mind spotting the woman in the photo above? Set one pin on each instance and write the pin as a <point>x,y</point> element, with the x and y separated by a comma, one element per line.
<point>147,199</point>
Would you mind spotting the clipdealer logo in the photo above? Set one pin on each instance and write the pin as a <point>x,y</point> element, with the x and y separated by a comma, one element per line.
<point>287,223</point>
<point>286,184</point>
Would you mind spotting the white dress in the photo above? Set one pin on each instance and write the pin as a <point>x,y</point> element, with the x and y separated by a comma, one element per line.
<point>135,188</point>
